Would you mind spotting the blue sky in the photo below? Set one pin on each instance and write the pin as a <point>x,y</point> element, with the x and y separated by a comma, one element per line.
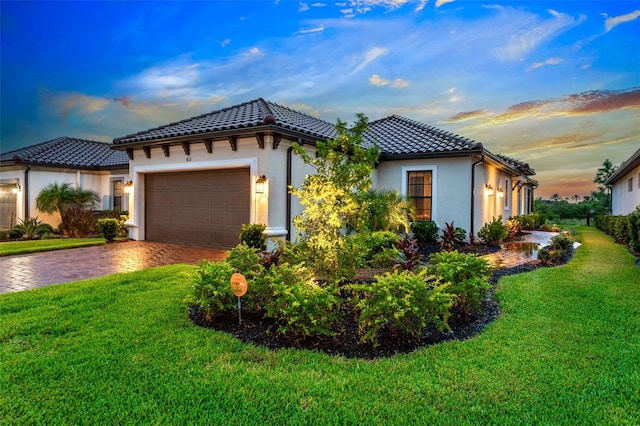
<point>555,84</point>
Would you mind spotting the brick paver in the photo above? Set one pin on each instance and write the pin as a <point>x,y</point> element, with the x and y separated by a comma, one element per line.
<point>28,271</point>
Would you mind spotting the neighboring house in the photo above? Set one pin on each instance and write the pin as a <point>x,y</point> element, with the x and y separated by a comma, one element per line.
<point>83,163</point>
<point>198,180</point>
<point>625,186</point>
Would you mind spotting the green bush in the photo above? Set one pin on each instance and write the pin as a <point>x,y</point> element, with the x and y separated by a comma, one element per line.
<point>494,232</point>
<point>404,301</point>
<point>514,227</point>
<point>387,258</point>
<point>366,245</point>
<point>108,228</point>
<point>634,230</point>
<point>252,235</point>
<point>467,274</point>
<point>299,304</point>
<point>15,233</point>
<point>245,260</point>
<point>529,221</point>
<point>212,290</point>
<point>32,228</point>
<point>4,235</point>
<point>426,232</point>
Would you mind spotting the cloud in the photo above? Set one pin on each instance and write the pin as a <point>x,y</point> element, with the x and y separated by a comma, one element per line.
<point>466,116</point>
<point>421,5</point>
<point>591,102</point>
<point>533,32</point>
<point>65,104</point>
<point>361,7</point>
<point>253,51</point>
<point>398,83</point>
<point>124,100</point>
<point>303,7</point>
<point>550,61</point>
<point>441,2</point>
<point>371,55</point>
<point>225,42</point>
<point>315,30</point>
<point>611,23</point>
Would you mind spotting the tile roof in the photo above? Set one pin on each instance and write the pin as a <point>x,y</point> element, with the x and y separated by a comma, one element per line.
<point>521,166</point>
<point>401,137</point>
<point>69,152</point>
<point>626,167</point>
<point>250,114</point>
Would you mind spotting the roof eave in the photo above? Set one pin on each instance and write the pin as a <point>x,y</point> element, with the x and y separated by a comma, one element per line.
<point>384,156</point>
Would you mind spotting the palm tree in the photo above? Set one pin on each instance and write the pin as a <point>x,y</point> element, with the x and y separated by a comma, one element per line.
<point>56,197</point>
<point>576,197</point>
<point>556,197</point>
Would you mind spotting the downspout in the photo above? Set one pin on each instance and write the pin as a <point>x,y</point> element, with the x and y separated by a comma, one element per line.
<point>288,214</point>
<point>26,191</point>
<point>473,190</point>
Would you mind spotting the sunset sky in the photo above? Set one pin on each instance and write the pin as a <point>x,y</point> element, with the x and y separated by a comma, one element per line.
<point>554,84</point>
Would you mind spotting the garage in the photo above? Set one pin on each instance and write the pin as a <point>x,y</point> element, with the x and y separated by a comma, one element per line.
<point>203,207</point>
<point>7,206</point>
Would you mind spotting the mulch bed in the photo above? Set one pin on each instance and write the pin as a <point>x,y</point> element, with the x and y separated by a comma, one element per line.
<point>262,331</point>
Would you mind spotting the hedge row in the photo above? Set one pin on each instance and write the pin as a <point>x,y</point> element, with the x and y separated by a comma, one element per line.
<point>623,229</point>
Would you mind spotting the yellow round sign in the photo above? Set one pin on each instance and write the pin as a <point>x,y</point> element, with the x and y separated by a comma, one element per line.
<point>238,284</point>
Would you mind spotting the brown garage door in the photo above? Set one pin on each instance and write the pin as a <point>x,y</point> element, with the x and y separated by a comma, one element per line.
<point>205,207</point>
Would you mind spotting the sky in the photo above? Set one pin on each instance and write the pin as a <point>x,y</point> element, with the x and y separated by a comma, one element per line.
<point>553,84</point>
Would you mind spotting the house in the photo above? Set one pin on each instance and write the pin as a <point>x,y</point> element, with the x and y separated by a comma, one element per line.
<point>625,186</point>
<point>198,180</point>
<point>83,163</point>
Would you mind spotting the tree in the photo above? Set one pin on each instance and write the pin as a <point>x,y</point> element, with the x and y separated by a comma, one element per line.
<point>330,196</point>
<point>602,175</point>
<point>576,197</point>
<point>556,197</point>
<point>63,198</point>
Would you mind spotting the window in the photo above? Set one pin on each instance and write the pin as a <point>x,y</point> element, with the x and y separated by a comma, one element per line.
<point>116,193</point>
<point>420,189</point>
<point>507,192</point>
<point>630,184</point>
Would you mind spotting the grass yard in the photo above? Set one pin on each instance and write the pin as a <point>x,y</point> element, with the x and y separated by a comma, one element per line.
<point>120,350</point>
<point>10,248</point>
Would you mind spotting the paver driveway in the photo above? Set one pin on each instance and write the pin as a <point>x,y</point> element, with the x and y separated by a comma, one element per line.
<point>27,271</point>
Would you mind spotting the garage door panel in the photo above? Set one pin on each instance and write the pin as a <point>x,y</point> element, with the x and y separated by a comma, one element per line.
<point>205,207</point>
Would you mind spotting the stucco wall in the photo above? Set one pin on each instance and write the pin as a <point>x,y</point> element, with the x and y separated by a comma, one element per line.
<point>625,201</point>
<point>40,177</point>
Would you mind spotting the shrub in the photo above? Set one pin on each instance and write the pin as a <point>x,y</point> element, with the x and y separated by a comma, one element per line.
<point>494,232</point>
<point>404,301</point>
<point>514,227</point>
<point>4,235</point>
<point>467,274</point>
<point>451,237</point>
<point>634,230</point>
<point>385,210</point>
<point>108,228</point>
<point>252,236</point>
<point>15,233</point>
<point>426,232</point>
<point>299,304</point>
<point>245,260</point>
<point>366,245</point>
<point>271,258</point>
<point>529,221</point>
<point>387,258</point>
<point>77,221</point>
<point>410,257</point>
<point>560,248</point>
<point>211,290</point>
<point>32,228</point>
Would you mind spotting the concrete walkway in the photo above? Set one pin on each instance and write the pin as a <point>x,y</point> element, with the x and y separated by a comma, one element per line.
<point>28,271</point>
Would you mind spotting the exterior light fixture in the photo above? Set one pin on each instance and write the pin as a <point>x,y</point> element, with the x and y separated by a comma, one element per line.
<point>128,187</point>
<point>500,193</point>
<point>16,188</point>
<point>260,183</point>
<point>488,190</point>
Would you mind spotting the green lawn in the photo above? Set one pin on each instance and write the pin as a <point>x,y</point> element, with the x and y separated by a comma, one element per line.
<point>120,350</point>
<point>22,247</point>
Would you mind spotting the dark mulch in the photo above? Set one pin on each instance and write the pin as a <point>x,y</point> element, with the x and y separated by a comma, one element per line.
<point>261,331</point>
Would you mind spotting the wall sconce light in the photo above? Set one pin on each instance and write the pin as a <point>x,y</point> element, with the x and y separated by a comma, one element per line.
<point>128,187</point>
<point>260,183</point>
<point>500,193</point>
<point>16,188</point>
<point>488,190</point>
